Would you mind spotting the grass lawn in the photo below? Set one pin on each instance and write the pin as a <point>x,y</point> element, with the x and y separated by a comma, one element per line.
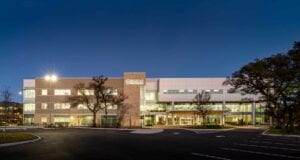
<point>279,131</point>
<point>15,137</point>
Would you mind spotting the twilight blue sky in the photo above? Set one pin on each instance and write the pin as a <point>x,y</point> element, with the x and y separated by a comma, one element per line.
<point>205,38</point>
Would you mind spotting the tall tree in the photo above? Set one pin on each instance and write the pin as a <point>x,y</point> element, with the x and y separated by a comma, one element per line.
<point>275,79</point>
<point>202,100</point>
<point>96,96</point>
<point>5,102</point>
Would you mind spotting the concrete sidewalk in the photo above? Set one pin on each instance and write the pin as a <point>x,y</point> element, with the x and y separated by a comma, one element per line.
<point>147,131</point>
<point>252,126</point>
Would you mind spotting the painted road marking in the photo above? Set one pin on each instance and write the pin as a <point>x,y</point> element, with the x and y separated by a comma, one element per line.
<point>176,133</point>
<point>274,143</point>
<point>252,145</point>
<point>220,136</point>
<point>209,156</point>
<point>262,153</point>
<point>279,140</point>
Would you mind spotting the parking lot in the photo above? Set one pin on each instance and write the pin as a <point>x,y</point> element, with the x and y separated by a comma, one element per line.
<point>257,147</point>
<point>168,144</point>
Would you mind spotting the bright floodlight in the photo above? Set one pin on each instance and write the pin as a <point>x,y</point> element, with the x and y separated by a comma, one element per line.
<point>51,77</point>
<point>54,78</point>
<point>47,77</point>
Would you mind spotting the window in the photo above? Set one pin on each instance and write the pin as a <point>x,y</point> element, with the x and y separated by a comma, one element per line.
<point>44,105</point>
<point>82,106</point>
<point>29,107</point>
<point>239,107</point>
<point>61,119</point>
<point>236,91</point>
<point>62,92</point>
<point>29,93</point>
<point>43,119</point>
<point>150,96</point>
<point>86,92</point>
<point>62,105</point>
<point>44,92</point>
<point>113,92</point>
<point>213,91</point>
<point>181,91</point>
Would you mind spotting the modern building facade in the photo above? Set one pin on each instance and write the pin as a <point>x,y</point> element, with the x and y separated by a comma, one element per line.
<point>150,101</point>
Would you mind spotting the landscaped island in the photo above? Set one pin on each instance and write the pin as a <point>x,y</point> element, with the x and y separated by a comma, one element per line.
<point>15,137</point>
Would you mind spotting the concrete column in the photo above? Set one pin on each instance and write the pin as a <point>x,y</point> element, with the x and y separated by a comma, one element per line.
<point>253,112</point>
<point>173,105</point>
<point>223,113</point>
<point>167,119</point>
<point>172,123</point>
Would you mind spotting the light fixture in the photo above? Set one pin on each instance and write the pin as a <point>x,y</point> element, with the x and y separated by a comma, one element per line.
<point>51,77</point>
<point>54,78</point>
<point>47,77</point>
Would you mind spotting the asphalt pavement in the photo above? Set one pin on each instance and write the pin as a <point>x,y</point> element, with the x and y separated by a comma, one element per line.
<point>170,144</point>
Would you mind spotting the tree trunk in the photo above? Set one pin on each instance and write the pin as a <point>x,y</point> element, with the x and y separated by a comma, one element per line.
<point>204,118</point>
<point>105,124</point>
<point>290,123</point>
<point>94,119</point>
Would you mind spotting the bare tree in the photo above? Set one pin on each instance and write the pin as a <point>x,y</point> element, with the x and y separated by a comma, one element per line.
<point>96,96</point>
<point>202,100</point>
<point>108,96</point>
<point>6,101</point>
<point>85,98</point>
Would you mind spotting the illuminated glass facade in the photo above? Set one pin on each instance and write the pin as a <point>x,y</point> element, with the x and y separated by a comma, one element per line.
<point>153,101</point>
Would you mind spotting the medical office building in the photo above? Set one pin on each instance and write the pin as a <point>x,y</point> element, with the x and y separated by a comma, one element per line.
<point>151,101</point>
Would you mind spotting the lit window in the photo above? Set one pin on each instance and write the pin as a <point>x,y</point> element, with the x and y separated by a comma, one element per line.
<point>150,96</point>
<point>43,119</point>
<point>86,92</point>
<point>82,106</point>
<point>44,105</point>
<point>182,91</point>
<point>29,107</point>
<point>213,91</point>
<point>114,92</point>
<point>61,119</point>
<point>62,105</point>
<point>44,92</point>
<point>62,92</point>
<point>29,93</point>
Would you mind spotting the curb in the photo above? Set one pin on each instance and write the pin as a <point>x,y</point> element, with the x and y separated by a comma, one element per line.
<point>114,129</point>
<point>20,143</point>
<point>209,130</point>
<point>278,135</point>
<point>150,131</point>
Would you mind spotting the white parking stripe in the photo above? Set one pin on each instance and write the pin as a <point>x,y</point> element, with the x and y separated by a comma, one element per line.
<point>275,143</point>
<point>279,140</point>
<point>252,145</point>
<point>209,156</point>
<point>262,153</point>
